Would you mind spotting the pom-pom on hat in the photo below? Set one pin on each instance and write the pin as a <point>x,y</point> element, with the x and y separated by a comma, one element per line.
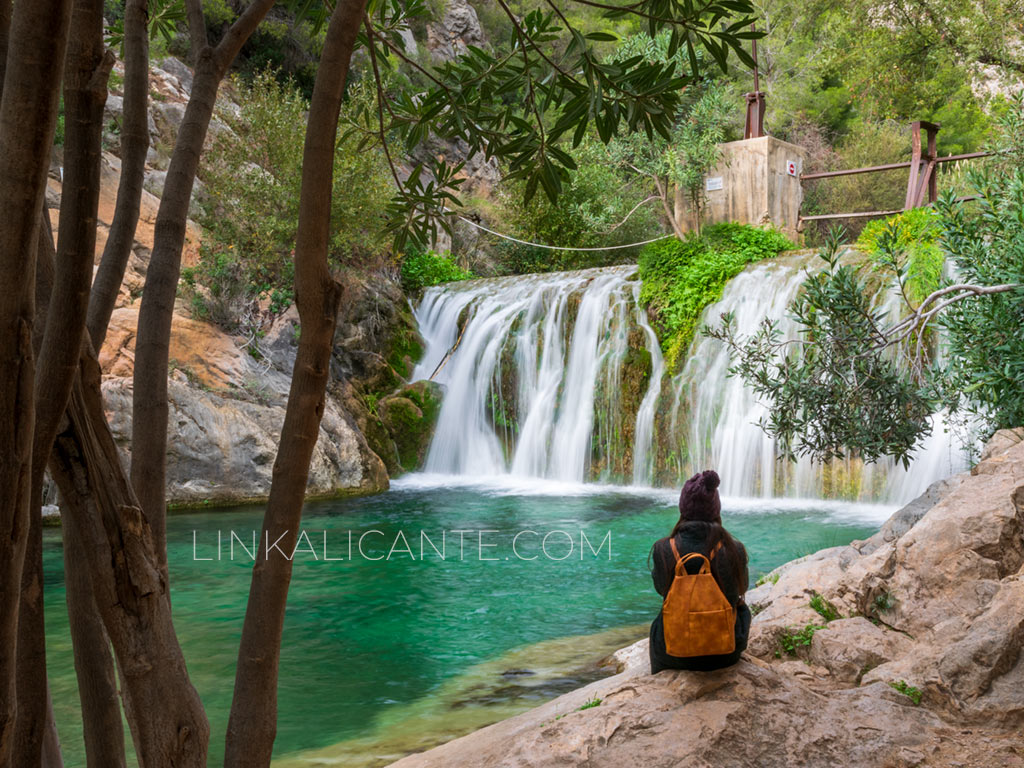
<point>699,498</point>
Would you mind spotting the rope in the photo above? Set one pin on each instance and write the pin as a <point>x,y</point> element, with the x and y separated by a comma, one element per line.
<point>560,247</point>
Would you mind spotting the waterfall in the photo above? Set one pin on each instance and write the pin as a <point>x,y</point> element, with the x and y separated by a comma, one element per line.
<point>561,377</point>
<point>715,417</point>
<point>533,369</point>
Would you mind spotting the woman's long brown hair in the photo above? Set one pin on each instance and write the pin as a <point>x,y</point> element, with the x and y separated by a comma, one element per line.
<point>715,534</point>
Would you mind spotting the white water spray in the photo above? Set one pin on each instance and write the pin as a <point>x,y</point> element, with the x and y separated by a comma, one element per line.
<point>533,368</point>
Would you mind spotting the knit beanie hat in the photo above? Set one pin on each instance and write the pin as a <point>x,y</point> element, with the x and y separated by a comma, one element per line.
<point>699,499</point>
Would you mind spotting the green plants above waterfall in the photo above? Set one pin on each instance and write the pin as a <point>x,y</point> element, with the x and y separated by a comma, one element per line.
<point>682,277</point>
<point>421,269</point>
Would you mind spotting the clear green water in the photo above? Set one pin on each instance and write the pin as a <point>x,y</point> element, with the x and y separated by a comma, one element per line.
<point>372,646</point>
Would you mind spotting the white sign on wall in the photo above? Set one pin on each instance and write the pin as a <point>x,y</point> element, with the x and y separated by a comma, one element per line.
<point>713,183</point>
<point>791,167</point>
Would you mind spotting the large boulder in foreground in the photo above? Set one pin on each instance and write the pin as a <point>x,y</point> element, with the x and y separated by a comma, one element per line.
<point>924,667</point>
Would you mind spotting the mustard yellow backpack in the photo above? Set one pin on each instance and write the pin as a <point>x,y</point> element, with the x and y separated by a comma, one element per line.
<point>698,618</point>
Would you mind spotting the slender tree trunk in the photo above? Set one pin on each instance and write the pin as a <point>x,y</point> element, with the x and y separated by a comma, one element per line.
<point>153,339</point>
<point>28,116</point>
<point>196,30</point>
<point>5,31</point>
<point>52,757</point>
<point>134,146</point>
<point>94,666</point>
<point>85,92</point>
<point>253,722</point>
<point>662,190</point>
<point>164,712</point>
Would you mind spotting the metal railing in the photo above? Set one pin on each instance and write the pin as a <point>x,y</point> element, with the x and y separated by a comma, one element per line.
<point>921,181</point>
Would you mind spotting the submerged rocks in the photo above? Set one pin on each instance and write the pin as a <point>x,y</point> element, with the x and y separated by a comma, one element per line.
<point>925,669</point>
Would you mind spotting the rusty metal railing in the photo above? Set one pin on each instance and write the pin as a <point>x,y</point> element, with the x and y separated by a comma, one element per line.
<point>921,181</point>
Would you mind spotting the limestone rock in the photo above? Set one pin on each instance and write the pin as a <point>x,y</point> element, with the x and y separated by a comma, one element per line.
<point>180,71</point>
<point>459,28</point>
<point>848,648</point>
<point>748,715</point>
<point>223,449</point>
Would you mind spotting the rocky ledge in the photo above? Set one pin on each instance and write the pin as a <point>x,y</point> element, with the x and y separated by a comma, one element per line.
<point>902,650</point>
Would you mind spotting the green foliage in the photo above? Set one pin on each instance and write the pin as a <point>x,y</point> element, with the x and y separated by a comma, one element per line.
<point>590,704</point>
<point>912,693</point>
<point>595,209</point>
<point>682,277</point>
<point>793,640</point>
<point>525,104</point>
<point>883,602</point>
<point>421,269</point>
<point>824,608</point>
<point>768,578</point>
<point>913,238</point>
<point>252,177</point>
<point>984,373</point>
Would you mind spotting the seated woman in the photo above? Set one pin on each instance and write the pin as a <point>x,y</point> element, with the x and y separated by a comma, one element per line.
<point>700,530</point>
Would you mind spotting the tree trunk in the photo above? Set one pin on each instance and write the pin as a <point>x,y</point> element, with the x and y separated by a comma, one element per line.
<point>253,722</point>
<point>94,666</point>
<point>52,757</point>
<point>28,116</point>
<point>134,146</point>
<point>152,342</point>
<point>85,92</point>
<point>5,31</point>
<point>196,30</point>
<point>164,712</point>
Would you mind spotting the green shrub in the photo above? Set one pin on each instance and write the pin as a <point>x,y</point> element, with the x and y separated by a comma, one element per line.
<point>682,277</point>
<point>252,177</point>
<point>824,608</point>
<point>595,702</point>
<point>914,234</point>
<point>421,269</point>
<point>914,694</point>
<point>793,640</point>
<point>597,208</point>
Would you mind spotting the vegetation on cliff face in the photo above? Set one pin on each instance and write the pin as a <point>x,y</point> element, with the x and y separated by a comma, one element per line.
<point>252,174</point>
<point>682,277</point>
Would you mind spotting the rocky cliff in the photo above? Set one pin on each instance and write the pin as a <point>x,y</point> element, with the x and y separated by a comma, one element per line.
<point>910,656</point>
<point>228,394</point>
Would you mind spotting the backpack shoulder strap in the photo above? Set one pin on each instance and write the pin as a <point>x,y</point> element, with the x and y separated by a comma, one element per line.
<point>714,551</point>
<point>675,550</point>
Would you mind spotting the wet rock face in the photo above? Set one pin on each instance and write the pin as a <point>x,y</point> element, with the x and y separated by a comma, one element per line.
<point>925,667</point>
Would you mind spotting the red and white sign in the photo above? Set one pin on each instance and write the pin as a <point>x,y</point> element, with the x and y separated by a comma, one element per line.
<point>791,167</point>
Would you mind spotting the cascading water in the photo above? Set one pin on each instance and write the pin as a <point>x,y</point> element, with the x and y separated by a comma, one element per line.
<point>561,377</point>
<point>715,417</point>
<point>533,369</point>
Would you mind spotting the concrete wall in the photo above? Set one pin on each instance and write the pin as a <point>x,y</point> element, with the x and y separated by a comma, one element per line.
<point>752,184</point>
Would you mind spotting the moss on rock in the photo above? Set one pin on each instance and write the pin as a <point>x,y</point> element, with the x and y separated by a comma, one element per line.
<point>409,416</point>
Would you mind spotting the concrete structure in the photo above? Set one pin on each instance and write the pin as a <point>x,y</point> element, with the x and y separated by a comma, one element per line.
<point>757,181</point>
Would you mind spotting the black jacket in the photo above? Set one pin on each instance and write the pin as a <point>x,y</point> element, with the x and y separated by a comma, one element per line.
<point>693,537</point>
